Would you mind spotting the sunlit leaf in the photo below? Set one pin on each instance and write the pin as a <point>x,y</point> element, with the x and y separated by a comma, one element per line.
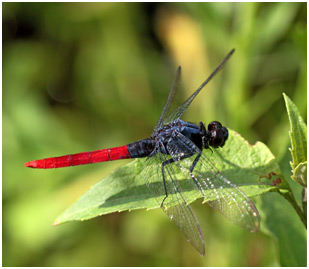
<point>124,189</point>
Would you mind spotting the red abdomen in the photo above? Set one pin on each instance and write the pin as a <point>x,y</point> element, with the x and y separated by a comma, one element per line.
<point>102,155</point>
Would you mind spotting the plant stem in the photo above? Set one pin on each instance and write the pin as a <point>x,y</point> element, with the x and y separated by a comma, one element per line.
<point>290,197</point>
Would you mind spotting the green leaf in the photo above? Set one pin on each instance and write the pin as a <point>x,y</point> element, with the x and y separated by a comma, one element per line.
<point>298,137</point>
<point>125,189</point>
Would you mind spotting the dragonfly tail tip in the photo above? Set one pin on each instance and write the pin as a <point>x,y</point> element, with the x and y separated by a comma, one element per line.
<point>31,164</point>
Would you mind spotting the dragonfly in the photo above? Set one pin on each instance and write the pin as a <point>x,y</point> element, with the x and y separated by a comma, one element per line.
<point>177,150</point>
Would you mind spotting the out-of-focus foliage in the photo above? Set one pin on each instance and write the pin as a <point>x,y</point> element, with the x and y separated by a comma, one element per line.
<point>84,76</point>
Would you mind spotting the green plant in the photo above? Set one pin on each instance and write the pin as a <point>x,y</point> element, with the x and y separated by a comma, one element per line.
<point>253,169</point>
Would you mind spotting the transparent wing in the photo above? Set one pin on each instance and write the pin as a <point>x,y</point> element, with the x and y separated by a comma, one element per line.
<point>177,113</point>
<point>170,99</point>
<point>175,205</point>
<point>219,192</point>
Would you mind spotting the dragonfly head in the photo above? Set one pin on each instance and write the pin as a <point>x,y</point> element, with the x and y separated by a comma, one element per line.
<point>215,136</point>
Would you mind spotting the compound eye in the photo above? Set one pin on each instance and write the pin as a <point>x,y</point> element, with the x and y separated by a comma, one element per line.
<point>225,133</point>
<point>217,138</point>
<point>214,125</point>
<point>219,134</point>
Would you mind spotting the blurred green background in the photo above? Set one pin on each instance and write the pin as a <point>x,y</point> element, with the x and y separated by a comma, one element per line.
<point>84,76</point>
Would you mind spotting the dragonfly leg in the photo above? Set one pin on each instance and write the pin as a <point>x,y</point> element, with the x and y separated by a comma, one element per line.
<point>162,168</point>
<point>191,172</point>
